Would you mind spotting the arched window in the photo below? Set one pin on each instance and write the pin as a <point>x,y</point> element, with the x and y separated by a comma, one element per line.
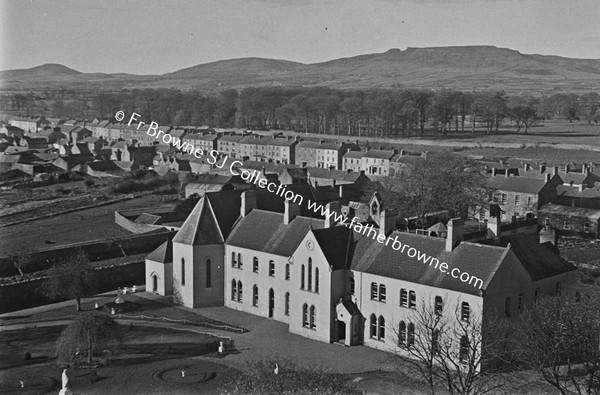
<point>410,336</point>
<point>233,261</point>
<point>381,328</point>
<point>233,290</point>
<point>240,264</point>
<point>208,274</point>
<point>465,311</point>
<point>309,281</point>
<point>305,315</point>
<point>373,332</point>
<point>287,271</point>
<point>464,348</point>
<point>239,290</point>
<point>272,268</point>
<point>412,300</point>
<point>182,271</point>
<point>402,333</point>
<point>255,265</point>
<point>302,270</point>
<point>439,305</point>
<point>313,323</point>
<point>287,303</point>
<point>255,295</point>
<point>316,279</point>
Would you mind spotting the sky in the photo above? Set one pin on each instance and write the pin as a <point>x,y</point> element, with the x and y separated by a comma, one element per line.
<point>156,37</point>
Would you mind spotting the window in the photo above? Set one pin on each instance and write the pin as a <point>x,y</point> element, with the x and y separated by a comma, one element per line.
<point>567,225</point>
<point>255,265</point>
<point>287,271</point>
<point>381,328</point>
<point>507,307</point>
<point>529,200</point>
<point>439,305</point>
<point>464,349</point>
<point>586,227</point>
<point>435,341</point>
<point>373,326</point>
<point>233,261</point>
<point>287,303</point>
<point>517,199</point>
<point>382,293</point>
<point>352,285</point>
<point>271,268</point>
<point>465,311</point>
<point>240,264</point>
<point>255,295</point>
<point>309,274</point>
<point>233,290</point>
<point>558,288</point>
<point>412,300</point>
<point>403,298</point>
<point>208,274</point>
<point>374,291</point>
<point>520,303</point>
<point>410,337</point>
<point>239,291</point>
<point>302,270</point>
<point>313,323</point>
<point>305,315</point>
<point>504,198</point>
<point>182,271</point>
<point>402,334</point>
<point>316,279</point>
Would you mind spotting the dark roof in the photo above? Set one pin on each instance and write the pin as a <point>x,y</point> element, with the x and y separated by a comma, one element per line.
<point>274,237</point>
<point>351,307</point>
<point>163,254</point>
<point>379,154</point>
<point>574,192</point>
<point>200,227</point>
<point>334,243</point>
<point>517,184</point>
<point>478,260</point>
<point>538,260</point>
<point>569,210</point>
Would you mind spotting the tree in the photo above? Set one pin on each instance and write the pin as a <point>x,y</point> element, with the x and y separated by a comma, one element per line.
<point>281,376</point>
<point>445,349</point>
<point>523,111</point>
<point>73,278</point>
<point>84,337</point>
<point>559,337</point>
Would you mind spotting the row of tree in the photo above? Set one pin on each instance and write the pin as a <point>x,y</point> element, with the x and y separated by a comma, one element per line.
<point>367,112</point>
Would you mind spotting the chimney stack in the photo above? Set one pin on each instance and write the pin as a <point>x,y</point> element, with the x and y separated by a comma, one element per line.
<point>555,170</point>
<point>332,207</point>
<point>542,169</point>
<point>291,211</point>
<point>547,177</point>
<point>248,202</point>
<point>567,168</point>
<point>526,167</point>
<point>493,228</point>
<point>387,222</point>
<point>494,172</point>
<point>547,234</point>
<point>456,228</point>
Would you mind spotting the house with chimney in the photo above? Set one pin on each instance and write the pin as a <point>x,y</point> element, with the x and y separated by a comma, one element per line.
<point>570,220</point>
<point>374,162</point>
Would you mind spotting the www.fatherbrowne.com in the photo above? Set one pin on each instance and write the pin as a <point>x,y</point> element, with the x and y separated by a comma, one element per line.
<point>339,218</point>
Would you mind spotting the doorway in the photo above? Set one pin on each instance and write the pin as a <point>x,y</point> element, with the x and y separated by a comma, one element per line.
<point>154,283</point>
<point>271,303</point>
<point>341,329</point>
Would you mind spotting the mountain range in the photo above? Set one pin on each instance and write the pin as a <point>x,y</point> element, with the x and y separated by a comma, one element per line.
<point>464,68</point>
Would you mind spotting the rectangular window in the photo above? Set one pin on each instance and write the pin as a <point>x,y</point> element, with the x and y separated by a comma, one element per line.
<point>403,298</point>
<point>412,300</point>
<point>567,225</point>
<point>287,271</point>
<point>374,291</point>
<point>504,198</point>
<point>586,227</point>
<point>271,269</point>
<point>382,291</point>
<point>517,199</point>
<point>529,200</point>
<point>255,265</point>
<point>182,271</point>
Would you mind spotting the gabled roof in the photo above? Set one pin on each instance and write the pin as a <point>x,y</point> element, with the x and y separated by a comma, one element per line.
<point>163,254</point>
<point>355,154</point>
<point>379,154</point>
<point>538,260</point>
<point>517,184</point>
<point>335,244</point>
<point>274,237</point>
<point>200,227</point>
<point>478,260</point>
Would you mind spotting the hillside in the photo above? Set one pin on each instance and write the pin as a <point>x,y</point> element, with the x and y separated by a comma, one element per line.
<point>466,68</point>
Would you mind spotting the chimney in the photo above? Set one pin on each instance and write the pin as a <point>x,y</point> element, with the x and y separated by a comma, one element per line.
<point>583,168</point>
<point>588,170</point>
<point>341,188</point>
<point>542,169</point>
<point>332,207</point>
<point>555,170</point>
<point>494,172</point>
<point>387,222</point>
<point>347,150</point>
<point>580,187</point>
<point>333,182</point>
<point>547,234</point>
<point>526,167</point>
<point>248,202</point>
<point>291,210</point>
<point>493,228</point>
<point>321,141</point>
<point>402,152</point>
<point>547,177</point>
<point>456,227</point>
<point>567,168</point>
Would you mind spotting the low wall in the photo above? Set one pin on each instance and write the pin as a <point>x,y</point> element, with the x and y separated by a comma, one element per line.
<point>27,294</point>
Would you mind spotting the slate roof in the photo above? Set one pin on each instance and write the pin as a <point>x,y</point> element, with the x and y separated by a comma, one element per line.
<point>538,260</point>
<point>355,154</point>
<point>163,254</point>
<point>373,257</point>
<point>201,136</point>
<point>200,227</point>
<point>378,154</point>
<point>281,142</point>
<point>569,211</point>
<point>232,137</point>
<point>274,236</point>
<point>517,184</point>
<point>574,192</point>
<point>340,176</point>
<point>335,244</point>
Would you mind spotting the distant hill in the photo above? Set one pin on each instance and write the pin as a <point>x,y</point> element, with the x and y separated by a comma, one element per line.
<point>465,68</point>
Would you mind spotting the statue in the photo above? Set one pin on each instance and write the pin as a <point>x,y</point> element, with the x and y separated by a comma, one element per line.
<point>65,381</point>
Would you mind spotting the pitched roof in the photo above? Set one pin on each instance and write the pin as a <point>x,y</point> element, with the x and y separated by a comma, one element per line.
<point>355,154</point>
<point>517,184</point>
<point>478,260</point>
<point>200,227</point>
<point>379,154</point>
<point>570,211</point>
<point>335,243</point>
<point>274,236</point>
<point>163,254</point>
<point>538,260</point>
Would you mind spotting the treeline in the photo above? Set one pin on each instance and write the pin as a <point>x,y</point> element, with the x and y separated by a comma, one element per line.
<point>368,112</point>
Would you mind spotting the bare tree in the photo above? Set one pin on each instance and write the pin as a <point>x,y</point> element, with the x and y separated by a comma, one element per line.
<point>560,339</point>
